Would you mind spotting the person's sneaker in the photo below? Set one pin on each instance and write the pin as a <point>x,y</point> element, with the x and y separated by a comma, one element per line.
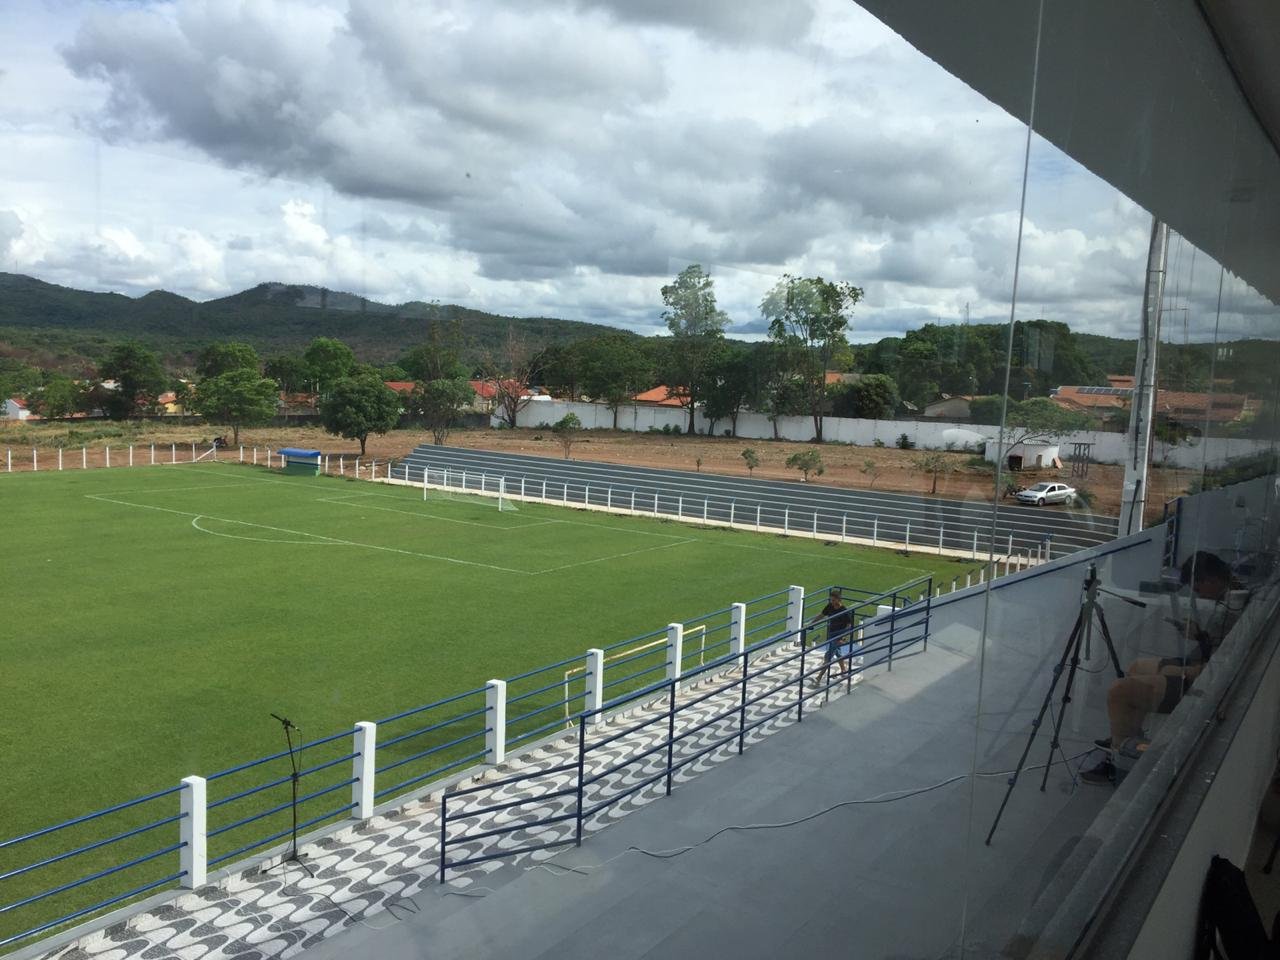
<point>1104,742</point>
<point>1103,773</point>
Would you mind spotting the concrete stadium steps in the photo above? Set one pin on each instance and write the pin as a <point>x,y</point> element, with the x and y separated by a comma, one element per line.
<point>860,513</point>
<point>361,871</point>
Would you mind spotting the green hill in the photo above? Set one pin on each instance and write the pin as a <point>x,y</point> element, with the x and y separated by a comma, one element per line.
<point>67,326</point>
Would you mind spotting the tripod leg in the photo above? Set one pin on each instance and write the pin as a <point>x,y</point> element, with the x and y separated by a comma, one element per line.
<point>1072,642</point>
<point>1111,647</point>
<point>1056,740</point>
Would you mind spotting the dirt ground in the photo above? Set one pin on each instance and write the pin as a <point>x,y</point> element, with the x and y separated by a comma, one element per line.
<point>876,468</point>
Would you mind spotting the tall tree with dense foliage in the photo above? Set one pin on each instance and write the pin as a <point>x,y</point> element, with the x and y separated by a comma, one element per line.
<point>808,317</point>
<point>240,397</point>
<point>560,370</point>
<point>291,372</point>
<point>873,397</point>
<point>329,361</point>
<point>139,380</point>
<point>439,357</point>
<point>59,397</point>
<point>615,367</point>
<point>440,404</point>
<point>697,331</point>
<point>774,391</point>
<point>730,388</point>
<point>221,357</point>
<point>359,406</point>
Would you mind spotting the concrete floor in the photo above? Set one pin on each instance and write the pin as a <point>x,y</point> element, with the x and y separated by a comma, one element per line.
<point>904,878</point>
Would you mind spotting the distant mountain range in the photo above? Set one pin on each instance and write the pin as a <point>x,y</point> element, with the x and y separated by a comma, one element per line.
<point>67,324</point>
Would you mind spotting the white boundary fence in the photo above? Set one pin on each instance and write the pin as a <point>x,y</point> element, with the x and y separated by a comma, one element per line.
<point>1008,556</point>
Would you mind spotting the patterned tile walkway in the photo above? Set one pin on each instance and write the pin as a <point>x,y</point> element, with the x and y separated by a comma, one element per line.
<point>360,872</point>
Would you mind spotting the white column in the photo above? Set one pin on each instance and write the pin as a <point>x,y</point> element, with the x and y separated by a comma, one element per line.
<point>941,527</point>
<point>131,453</point>
<point>786,518</point>
<point>908,534</point>
<point>363,767</point>
<point>608,498</point>
<point>495,721</point>
<point>968,579</point>
<point>595,684</point>
<point>733,507</point>
<point>59,458</point>
<point>1010,550</point>
<point>193,454</point>
<point>35,458</point>
<point>875,531</point>
<point>737,628</point>
<point>326,459</point>
<point>173,453</point>
<point>84,458</point>
<point>680,506</point>
<point>675,649</point>
<point>757,518</point>
<point>342,465</point>
<point>795,608</point>
<point>153,454</point>
<point>193,858</point>
<point>973,554</point>
<point>108,456</point>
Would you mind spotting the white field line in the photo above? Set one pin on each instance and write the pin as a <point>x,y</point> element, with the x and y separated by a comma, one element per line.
<point>616,556</point>
<point>317,542</point>
<point>303,533</point>
<point>346,500</point>
<point>193,486</point>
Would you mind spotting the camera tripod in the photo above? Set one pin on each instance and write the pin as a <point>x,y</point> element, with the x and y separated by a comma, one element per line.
<point>1081,635</point>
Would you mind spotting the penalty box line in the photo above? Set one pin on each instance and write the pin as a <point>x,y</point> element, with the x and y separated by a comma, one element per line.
<point>302,533</point>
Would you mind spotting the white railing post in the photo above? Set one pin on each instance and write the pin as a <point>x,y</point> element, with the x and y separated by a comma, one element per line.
<point>193,858</point>
<point>973,553</point>
<point>131,454</point>
<point>875,531</point>
<point>495,707</point>
<point>84,458</point>
<point>968,579</point>
<point>193,454</point>
<point>107,455</point>
<point>757,518</point>
<point>941,527</point>
<point>363,769</point>
<point>737,629</point>
<point>1010,550</point>
<point>326,459</point>
<point>595,685</point>
<point>733,507</point>
<point>815,523</point>
<point>675,650</point>
<point>173,453</point>
<point>35,459</point>
<point>908,534</point>
<point>680,506</point>
<point>982,573</point>
<point>844,527</point>
<point>795,609</point>
<point>786,519</point>
<point>342,465</point>
<point>152,454</point>
<point>357,464</point>
<point>59,458</point>
<point>608,497</point>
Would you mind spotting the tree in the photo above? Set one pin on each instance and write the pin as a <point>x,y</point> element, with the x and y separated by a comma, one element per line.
<point>219,358</point>
<point>874,397</point>
<point>291,372</point>
<point>808,316</point>
<point>511,371</point>
<point>439,403</point>
<point>561,370</point>
<point>566,430</point>
<point>807,462</point>
<point>873,470</point>
<point>139,380</point>
<point>752,459</point>
<point>774,392</point>
<point>615,368</point>
<point>935,465</point>
<point>730,387</point>
<point>329,361</point>
<point>59,397</point>
<point>359,406</point>
<point>1039,419</point>
<point>238,398</point>
<point>438,358</point>
<point>697,329</point>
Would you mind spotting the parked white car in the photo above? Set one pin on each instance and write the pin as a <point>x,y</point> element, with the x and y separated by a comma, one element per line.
<point>1046,491</point>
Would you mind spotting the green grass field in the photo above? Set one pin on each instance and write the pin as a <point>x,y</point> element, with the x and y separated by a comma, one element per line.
<point>154,617</point>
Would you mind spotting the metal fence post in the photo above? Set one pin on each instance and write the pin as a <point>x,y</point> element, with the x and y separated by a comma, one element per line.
<point>363,769</point>
<point>875,530</point>
<point>941,527</point>
<point>59,458</point>
<point>84,458</point>
<point>444,836</point>
<point>193,455</point>
<point>737,628</point>
<point>815,523</point>
<point>153,454</point>
<point>680,506</point>
<point>107,455</point>
<point>742,708</point>
<point>908,547</point>
<point>495,714</point>
<point>671,735</point>
<point>675,652</point>
<point>193,857</point>
<point>804,650</point>
<point>844,527</point>
<point>595,685</point>
<point>757,518</point>
<point>35,458</point>
<point>582,764</point>
<point>633,501</point>
<point>893,625</point>
<point>131,454</point>
<point>733,506</point>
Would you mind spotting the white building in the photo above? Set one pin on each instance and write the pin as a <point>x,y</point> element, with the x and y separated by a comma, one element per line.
<point>15,408</point>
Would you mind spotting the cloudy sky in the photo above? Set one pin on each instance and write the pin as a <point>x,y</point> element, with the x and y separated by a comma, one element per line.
<point>536,158</point>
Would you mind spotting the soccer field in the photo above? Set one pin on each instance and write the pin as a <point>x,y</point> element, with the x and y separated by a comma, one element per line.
<point>153,618</point>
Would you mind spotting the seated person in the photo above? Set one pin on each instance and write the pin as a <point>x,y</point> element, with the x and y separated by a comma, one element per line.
<point>1157,685</point>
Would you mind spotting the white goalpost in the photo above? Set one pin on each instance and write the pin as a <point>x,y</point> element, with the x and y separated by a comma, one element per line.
<point>463,486</point>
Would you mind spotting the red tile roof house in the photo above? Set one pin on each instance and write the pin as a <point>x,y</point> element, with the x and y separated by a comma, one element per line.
<point>661,397</point>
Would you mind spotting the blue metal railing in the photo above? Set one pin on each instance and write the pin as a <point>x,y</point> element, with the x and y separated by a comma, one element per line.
<point>875,640</point>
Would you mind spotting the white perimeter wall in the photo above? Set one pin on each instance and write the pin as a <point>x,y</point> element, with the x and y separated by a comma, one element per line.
<point>927,435</point>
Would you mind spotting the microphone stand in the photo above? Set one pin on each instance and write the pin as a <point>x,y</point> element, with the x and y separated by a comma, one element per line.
<point>293,856</point>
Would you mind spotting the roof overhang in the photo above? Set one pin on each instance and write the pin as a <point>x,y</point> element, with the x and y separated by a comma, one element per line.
<point>1168,102</point>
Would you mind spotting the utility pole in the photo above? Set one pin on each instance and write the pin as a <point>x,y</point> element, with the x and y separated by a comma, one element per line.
<point>1133,496</point>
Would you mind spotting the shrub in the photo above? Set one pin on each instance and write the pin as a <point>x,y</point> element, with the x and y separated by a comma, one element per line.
<point>807,462</point>
<point>752,459</point>
<point>980,463</point>
<point>877,442</point>
<point>904,442</point>
<point>1085,496</point>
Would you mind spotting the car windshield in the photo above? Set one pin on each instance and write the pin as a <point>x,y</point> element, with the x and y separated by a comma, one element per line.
<point>1040,487</point>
